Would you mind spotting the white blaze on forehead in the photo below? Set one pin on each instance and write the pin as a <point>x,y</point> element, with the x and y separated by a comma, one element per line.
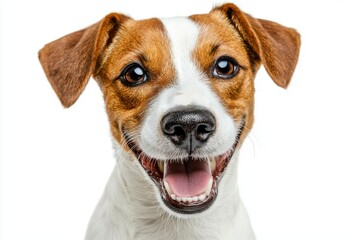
<point>183,34</point>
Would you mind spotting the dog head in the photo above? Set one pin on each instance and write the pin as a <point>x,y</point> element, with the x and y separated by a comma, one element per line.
<point>179,92</point>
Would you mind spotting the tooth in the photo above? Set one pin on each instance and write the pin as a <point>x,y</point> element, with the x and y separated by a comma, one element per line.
<point>212,164</point>
<point>184,199</point>
<point>178,199</point>
<point>173,197</point>
<point>189,199</point>
<point>160,165</point>
<point>209,187</point>
<point>202,197</point>
<point>167,187</point>
<point>195,199</point>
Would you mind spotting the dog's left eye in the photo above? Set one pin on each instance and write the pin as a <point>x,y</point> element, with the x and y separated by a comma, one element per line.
<point>225,67</point>
<point>133,75</point>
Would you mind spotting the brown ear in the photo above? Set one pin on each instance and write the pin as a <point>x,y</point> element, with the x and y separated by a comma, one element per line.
<point>277,46</point>
<point>70,61</point>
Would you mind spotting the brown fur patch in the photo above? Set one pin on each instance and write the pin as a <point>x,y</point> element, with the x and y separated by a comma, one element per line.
<point>104,50</point>
<point>143,42</point>
<point>216,40</point>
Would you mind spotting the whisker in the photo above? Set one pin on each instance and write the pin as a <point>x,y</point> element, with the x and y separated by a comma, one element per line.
<point>252,139</point>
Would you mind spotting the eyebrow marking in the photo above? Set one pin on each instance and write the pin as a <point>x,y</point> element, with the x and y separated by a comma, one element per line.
<point>214,48</point>
<point>143,57</point>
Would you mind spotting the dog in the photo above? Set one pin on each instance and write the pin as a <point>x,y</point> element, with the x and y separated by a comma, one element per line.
<point>179,94</point>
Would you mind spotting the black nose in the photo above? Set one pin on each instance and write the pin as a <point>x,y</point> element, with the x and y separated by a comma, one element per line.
<point>188,128</point>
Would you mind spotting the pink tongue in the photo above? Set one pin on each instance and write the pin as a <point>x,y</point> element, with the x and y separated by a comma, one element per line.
<point>189,178</point>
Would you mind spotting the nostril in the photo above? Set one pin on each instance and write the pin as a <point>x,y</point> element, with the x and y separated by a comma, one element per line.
<point>203,131</point>
<point>176,133</point>
<point>205,128</point>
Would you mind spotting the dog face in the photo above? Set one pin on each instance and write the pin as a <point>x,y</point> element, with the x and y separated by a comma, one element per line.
<point>178,92</point>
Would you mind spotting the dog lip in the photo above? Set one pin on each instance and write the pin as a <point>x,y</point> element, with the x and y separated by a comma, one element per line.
<point>157,176</point>
<point>190,209</point>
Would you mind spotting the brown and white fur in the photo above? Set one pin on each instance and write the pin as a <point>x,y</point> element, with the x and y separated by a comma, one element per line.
<point>205,62</point>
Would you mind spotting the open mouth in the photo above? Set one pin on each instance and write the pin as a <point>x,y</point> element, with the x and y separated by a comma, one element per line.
<point>187,186</point>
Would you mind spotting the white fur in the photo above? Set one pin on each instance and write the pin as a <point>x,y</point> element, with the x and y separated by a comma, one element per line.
<point>131,207</point>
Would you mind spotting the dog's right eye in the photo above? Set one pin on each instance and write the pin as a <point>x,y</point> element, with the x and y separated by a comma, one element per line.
<point>133,75</point>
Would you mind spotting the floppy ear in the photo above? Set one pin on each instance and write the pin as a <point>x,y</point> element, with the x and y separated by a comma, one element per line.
<point>70,61</point>
<point>276,46</point>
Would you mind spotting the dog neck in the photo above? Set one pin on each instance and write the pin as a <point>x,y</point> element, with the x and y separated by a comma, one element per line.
<point>131,207</point>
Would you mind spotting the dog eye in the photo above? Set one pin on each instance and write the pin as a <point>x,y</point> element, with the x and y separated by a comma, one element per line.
<point>225,67</point>
<point>133,75</point>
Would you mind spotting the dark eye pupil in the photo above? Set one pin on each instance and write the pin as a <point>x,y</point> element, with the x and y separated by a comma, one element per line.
<point>224,67</point>
<point>133,75</point>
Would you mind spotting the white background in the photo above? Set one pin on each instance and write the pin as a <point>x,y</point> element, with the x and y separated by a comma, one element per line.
<point>300,168</point>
